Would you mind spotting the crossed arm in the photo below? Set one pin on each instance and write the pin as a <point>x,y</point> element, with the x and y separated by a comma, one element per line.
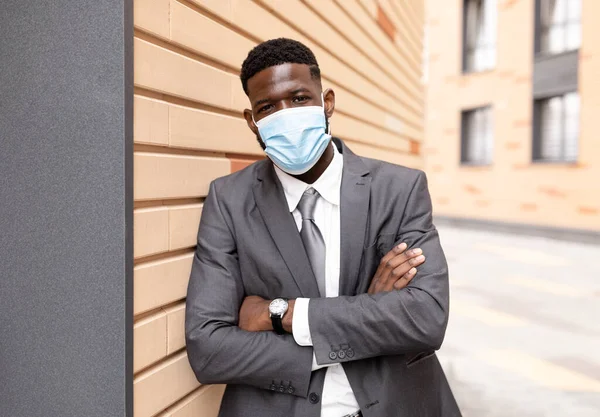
<point>396,269</point>
<point>379,323</point>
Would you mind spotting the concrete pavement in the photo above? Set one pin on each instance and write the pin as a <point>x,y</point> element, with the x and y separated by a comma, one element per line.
<point>524,332</point>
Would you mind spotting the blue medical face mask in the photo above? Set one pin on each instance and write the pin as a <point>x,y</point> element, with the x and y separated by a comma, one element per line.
<point>295,138</point>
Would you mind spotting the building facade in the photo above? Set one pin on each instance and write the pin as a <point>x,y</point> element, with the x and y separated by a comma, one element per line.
<point>189,129</point>
<point>512,104</point>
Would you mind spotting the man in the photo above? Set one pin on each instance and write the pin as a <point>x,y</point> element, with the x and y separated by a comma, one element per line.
<point>304,295</point>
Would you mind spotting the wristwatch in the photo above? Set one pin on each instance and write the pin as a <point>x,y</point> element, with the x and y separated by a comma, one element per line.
<point>277,309</point>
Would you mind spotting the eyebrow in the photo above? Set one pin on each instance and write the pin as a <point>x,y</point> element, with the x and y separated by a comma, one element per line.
<point>261,101</point>
<point>296,91</point>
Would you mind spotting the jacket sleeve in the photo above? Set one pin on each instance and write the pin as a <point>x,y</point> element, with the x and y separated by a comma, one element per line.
<point>410,320</point>
<point>218,350</point>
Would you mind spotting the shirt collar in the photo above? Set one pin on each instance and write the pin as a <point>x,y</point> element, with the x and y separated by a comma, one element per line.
<point>328,185</point>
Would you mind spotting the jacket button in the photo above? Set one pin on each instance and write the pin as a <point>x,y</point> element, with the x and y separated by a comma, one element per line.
<point>332,356</point>
<point>273,387</point>
<point>290,390</point>
<point>341,354</point>
<point>350,353</point>
<point>313,397</point>
<point>281,388</point>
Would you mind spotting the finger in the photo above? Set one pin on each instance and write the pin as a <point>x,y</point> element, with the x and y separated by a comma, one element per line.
<point>398,249</point>
<point>405,279</point>
<point>404,257</point>
<point>395,275</point>
<point>372,285</point>
<point>404,268</point>
<point>416,261</point>
<point>395,251</point>
<point>397,267</point>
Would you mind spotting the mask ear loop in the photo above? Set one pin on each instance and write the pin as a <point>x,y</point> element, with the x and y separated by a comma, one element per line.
<point>328,122</point>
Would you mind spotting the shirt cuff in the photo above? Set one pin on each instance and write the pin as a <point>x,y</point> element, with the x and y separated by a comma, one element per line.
<point>300,328</point>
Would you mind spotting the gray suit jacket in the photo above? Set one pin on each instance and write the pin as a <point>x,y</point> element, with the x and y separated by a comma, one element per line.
<point>248,244</point>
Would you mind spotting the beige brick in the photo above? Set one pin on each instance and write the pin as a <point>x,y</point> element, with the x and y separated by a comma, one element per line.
<point>200,129</point>
<point>415,11</point>
<point>239,100</point>
<point>350,104</point>
<point>160,176</point>
<point>149,340</point>
<point>165,71</point>
<point>185,123</point>
<point>350,128</point>
<point>548,194</point>
<point>406,37</point>
<point>152,16</point>
<point>175,328</point>
<point>252,18</point>
<point>418,6</point>
<point>371,7</point>
<point>367,22</point>
<point>336,42</point>
<point>161,282</point>
<point>183,226</point>
<point>413,161</point>
<point>163,229</point>
<point>345,78</point>
<point>150,231</point>
<point>199,33</point>
<point>335,16</point>
<point>221,8</point>
<point>161,386</point>
<point>150,121</point>
<point>205,402</point>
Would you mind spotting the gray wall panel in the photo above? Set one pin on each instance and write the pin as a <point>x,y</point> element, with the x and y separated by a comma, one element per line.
<point>65,208</point>
<point>555,74</point>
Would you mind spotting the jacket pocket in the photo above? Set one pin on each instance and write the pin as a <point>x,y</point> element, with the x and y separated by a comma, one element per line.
<point>385,243</point>
<point>382,242</point>
<point>419,357</point>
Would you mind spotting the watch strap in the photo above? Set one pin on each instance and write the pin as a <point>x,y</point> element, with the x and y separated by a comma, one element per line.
<point>277,324</point>
<point>277,321</point>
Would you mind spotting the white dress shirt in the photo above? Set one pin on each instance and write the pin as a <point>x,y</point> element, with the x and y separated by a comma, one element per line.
<point>337,398</point>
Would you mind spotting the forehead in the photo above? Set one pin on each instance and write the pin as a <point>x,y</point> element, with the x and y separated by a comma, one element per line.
<point>279,79</point>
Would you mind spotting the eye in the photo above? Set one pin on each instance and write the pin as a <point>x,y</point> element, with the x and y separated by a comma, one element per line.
<point>300,99</point>
<point>265,108</point>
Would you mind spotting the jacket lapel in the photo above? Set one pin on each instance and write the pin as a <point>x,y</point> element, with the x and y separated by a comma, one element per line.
<point>270,199</point>
<point>354,212</point>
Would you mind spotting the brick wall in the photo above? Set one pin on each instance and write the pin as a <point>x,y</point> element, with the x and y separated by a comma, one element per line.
<point>512,188</point>
<point>189,130</point>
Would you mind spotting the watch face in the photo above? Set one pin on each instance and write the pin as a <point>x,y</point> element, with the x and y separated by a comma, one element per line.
<point>278,307</point>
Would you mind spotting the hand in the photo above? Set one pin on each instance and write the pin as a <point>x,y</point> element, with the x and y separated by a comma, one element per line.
<point>254,314</point>
<point>396,269</point>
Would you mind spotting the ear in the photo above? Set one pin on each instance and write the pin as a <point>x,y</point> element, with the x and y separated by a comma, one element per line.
<point>329,98</point>
<point>250,122</point>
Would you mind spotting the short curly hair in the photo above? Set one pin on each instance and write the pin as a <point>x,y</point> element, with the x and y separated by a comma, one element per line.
<point>276,52</point>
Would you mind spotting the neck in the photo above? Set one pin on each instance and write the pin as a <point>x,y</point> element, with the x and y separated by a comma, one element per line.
<point>315,172</point>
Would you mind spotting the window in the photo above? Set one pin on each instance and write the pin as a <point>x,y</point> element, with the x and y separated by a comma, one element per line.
<point>556,131</point>
<point>477,136</point>
<point>560,25</point>
<point>479,35</point>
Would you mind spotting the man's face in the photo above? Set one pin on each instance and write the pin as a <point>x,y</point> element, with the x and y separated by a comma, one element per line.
<point>282,87</point>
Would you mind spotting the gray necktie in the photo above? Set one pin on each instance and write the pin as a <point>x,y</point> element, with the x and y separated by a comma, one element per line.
<point>312,238</point>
